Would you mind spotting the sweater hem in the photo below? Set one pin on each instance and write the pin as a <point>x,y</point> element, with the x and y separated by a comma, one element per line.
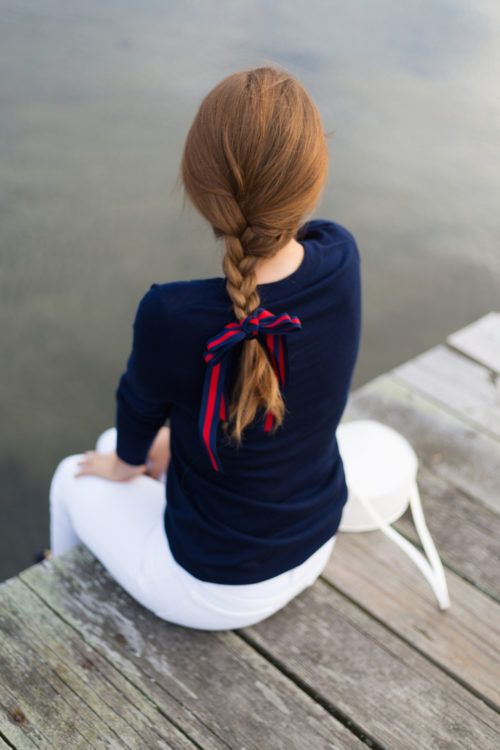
<point>237,577</point>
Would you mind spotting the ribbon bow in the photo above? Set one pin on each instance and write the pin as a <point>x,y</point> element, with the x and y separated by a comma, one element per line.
<point>263,323</point>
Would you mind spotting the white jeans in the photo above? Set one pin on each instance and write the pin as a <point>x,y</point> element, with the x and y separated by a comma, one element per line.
<point>121,523</point>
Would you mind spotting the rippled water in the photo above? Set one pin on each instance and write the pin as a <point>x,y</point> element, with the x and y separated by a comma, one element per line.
<point>96,102</point>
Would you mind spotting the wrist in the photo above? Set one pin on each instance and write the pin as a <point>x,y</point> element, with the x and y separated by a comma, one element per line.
<point>127,468</point>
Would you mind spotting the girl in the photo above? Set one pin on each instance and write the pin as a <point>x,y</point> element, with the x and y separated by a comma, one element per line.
<point>218,519</point>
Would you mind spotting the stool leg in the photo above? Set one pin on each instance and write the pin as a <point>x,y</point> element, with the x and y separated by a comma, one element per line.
<point>433,573</point>
<point>429,547</point>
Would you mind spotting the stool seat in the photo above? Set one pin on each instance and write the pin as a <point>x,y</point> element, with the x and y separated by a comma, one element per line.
<point>381,469</point>
<point>382,465</point>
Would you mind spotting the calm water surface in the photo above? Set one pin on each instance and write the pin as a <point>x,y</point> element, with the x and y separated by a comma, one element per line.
<point>96,102</point>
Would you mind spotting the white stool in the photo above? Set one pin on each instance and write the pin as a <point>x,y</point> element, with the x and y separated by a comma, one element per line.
<point>381,474</point>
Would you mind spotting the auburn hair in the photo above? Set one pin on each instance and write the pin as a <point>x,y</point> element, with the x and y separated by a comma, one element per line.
<point>254,164</point>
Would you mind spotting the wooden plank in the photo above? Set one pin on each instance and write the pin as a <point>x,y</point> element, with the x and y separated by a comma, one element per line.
<point>204,679</point>
<point>465,533</point>
<point>480,341</point>
<point>464,640</point>
<point>466,388</point>
<point>453,450</point>
<point>65,689</point>
<point>354,662</point>
<point>42,700</point>
<point>20,734</point>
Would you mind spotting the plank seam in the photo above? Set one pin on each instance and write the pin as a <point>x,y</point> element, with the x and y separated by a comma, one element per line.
<point>7,741</point>
<point>174,723</point>
<point>92,710</point>
<point>492,372</point>
<point>466,421</point>
<point>415,539</point>
<point>48,681</point>
<point>446,564</point>
<point>37,728</point>
<point>491,704</point>
<point>334,711</point>
<point>103,677</point>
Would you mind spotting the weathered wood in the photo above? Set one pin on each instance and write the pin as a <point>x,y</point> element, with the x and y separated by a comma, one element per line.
<point>480,340</point>
<point>464,640</point>
<point>44,699</point>
<point>455,451</point>
<point>63,685</point>
<point>397,695</point>
<point>219,690</point>
<point>364,657</point>
<point>466,388</point>
<point>466,533</point>
<point>21,735</point>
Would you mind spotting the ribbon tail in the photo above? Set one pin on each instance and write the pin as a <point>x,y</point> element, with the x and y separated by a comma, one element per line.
<point>210,412</point>
<point>283,359</point>
<point>268,421</point>
<point>223,408</point>
<point>277,350</point>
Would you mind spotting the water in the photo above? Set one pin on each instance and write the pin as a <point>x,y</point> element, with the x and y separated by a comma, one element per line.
<point>96,102</point>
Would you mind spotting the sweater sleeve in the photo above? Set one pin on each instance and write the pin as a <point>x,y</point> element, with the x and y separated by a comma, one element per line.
<point>142,396</point>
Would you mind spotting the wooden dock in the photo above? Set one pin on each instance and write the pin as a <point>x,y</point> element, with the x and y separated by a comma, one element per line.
<point>363,657</point>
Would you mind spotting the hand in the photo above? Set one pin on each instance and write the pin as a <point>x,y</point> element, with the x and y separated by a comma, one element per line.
<point>108,466</point>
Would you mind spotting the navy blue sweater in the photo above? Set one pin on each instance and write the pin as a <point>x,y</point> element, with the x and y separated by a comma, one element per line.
<point>280,497</point>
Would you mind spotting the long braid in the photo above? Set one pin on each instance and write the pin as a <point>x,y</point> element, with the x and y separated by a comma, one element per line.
<point>256,379</point>
<point>254,165</point>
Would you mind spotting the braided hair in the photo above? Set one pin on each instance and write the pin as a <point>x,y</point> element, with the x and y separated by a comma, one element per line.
<point>254,165</point>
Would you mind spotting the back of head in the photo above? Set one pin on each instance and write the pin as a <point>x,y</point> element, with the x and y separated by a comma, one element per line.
<point>254,164</point>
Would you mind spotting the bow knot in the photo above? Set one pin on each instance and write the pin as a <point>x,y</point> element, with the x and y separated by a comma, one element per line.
<point>250,326</point>
<point>271,330</point>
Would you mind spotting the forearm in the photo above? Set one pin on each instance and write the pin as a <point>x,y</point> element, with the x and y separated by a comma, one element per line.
<point>137,424</point>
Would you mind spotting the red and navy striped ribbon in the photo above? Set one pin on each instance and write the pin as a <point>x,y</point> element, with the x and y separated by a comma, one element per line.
<point>271,330</point>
